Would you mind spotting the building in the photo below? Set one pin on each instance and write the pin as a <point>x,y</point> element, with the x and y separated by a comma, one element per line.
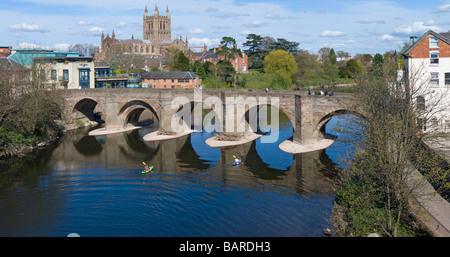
<point>57,70</point>
<point>5,51</point>
<point>157,37</point>
<point>172,79</point>
<point>239,63</point>
<point>427,65</point>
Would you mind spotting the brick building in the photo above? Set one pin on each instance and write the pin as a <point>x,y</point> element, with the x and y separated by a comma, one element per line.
<point>427,63</point>
<point>239,63</point>
<point>172,79</point>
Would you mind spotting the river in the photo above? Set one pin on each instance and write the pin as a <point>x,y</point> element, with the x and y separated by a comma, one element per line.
<point>93,186</point>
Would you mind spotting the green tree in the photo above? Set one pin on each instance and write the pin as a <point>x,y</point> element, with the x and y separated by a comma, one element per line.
<point>282,64</point>
<point>283,44</point>
<point>332,56</point>
<point>378,59</point>
<point>351,69</point>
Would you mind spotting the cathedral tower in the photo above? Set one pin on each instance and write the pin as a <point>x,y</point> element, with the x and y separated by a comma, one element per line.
<point>157,28</point>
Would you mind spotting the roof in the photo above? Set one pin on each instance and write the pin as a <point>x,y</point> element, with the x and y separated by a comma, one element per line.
<point>26,56</point>
<point>441,36</point>
<point>169,75</point>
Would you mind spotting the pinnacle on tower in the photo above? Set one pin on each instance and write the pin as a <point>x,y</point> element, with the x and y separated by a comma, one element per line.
<point>156,10</point>
<point>146,11</point>
<point>167,11</point>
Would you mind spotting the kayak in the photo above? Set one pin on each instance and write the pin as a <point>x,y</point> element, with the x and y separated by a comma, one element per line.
<point>149,169</point>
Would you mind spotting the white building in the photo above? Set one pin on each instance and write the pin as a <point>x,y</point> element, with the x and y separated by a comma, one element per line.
<point>58,70</point>
<point>427,62</point>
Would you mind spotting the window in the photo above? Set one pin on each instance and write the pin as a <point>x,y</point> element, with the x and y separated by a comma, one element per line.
<point>434,58</point>
<point>447,79</point>
<point>53,74</point>
<point>65,74</point>
<point>421,103</point>
<point>434,81</point>
<point>434,42</point>
<point>447,124</point>
<point>434,123</point>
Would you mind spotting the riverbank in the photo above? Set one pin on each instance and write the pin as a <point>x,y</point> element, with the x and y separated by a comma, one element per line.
<point>19,150</point>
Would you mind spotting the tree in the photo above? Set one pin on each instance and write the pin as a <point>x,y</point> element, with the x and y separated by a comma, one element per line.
<point>378,59</point>
<point>351,69</point>
<point>254,44</point>
<point>228,48</point>
<point>256,52</point>
<point>375,190</point>
<point>332,56</point>
<point>282,64</point>
<point>283,44</point>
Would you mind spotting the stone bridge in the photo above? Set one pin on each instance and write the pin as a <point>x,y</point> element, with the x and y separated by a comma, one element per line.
<point>118,107</point>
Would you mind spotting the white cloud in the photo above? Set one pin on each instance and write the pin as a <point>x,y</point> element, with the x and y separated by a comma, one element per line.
<point>27,45</point>
<point>368,21</point>
<point>332,33</point>
<point>246,32</point>
<point>204,41</point>
<point>417,27</point>
<point>196,31</point>
<point>255,24</point>
<point>271,16</point>
<point>25,27</point>
<point>94,31</point>
<point>387,37</point>
<point>442,8</point>
<point>121,24</point>
<point>84,23</point>
<point>61,47</point>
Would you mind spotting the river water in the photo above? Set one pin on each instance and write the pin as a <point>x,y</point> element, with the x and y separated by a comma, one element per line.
<point>93,186</point>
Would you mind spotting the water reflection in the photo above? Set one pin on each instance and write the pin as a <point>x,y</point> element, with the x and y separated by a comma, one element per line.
<point>85,184</point>
<point>263,164</point>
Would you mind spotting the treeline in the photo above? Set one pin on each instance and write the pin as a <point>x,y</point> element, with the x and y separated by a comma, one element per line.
<point>295,67</point>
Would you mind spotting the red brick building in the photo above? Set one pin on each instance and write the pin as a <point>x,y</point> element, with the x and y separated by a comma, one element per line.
<point>5,51</point>
<point>240,64</point>
<point>172,79</point>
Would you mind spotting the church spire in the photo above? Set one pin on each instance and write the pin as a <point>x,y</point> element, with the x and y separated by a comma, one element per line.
<point>113,36</point>
<point>167,12</point>
<point>156,10</point>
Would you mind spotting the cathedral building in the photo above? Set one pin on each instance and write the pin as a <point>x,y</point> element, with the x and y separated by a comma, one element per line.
<point>157,37</point>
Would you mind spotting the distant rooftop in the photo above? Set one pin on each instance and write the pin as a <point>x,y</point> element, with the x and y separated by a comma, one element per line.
<point>169,75</point>
<point>26,56</point>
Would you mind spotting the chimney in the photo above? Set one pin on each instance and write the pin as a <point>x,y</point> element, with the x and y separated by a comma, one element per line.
<point>412,40</point>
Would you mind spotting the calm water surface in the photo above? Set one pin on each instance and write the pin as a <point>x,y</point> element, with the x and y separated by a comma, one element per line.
<point>93,186</point>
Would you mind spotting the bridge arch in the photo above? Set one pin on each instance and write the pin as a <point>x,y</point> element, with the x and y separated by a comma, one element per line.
<point>131,112</point>
<point>320,126</point>
<point>253,112</point>
<point>87,108</point>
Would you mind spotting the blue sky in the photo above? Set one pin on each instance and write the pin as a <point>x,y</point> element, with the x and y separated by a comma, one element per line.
<point>371,26</point>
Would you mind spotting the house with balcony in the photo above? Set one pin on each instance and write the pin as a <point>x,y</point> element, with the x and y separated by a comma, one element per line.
<point>57,70</point>
<point>427,67</point>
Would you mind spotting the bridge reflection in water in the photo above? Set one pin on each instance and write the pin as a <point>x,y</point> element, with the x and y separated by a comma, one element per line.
<point>264,165</point>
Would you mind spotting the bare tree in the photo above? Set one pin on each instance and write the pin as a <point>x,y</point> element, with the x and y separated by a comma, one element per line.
<point>382,178</point>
